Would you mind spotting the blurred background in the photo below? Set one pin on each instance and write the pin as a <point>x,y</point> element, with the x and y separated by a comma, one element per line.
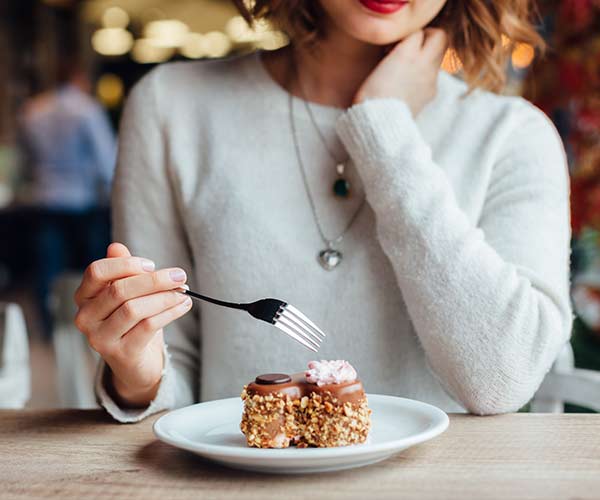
<point>66,67</point>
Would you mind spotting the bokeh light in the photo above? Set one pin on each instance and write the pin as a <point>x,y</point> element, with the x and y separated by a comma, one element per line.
<point>145,51</point>
<point>110,89</point>
<point>238,29</point>
<point>115,17</point>
<point>451,62</point>
<point>161,36</point>
<point>216,44</point>
<point>166,33</point>
<point>273,40</point>
<point>112,41</point>
<point>240,32</point>
<point>193,46</point>
<point>522,55</point>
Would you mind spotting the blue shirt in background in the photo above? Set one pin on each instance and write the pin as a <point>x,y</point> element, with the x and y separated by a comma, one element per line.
<point>70,150</point>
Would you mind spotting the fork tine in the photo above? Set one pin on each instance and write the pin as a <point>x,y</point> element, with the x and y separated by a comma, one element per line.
<point>298,323</point>
<point>296,312</point>
<point>298,329</point>
<point>296,337</point>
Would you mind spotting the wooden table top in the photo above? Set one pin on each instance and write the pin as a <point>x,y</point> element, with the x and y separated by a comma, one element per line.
<point>76,454</point>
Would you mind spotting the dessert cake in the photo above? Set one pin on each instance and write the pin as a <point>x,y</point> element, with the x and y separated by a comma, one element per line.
<point>324,406</point>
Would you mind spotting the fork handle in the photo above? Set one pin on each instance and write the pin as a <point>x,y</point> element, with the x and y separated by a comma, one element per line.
<point>218,302</point>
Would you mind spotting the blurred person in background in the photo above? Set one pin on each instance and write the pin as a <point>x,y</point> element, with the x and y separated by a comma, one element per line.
<point>69,149</point>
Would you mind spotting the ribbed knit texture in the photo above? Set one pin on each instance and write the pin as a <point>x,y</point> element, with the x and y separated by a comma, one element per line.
<point>454,284</point>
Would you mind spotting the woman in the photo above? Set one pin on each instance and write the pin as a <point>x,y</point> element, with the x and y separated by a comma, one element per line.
<point>448,285</point>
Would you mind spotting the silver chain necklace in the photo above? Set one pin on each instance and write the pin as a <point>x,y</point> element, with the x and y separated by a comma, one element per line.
<point>330,257</point>
<point>341,186</point>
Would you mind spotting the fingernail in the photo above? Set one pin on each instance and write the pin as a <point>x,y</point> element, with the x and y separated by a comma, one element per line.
<point>187,302</point>
<point>148,265</point>
<point>177,275</point>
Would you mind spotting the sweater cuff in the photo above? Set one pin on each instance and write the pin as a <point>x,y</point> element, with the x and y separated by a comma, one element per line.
<point>379,130</point>
<point>164,400</point>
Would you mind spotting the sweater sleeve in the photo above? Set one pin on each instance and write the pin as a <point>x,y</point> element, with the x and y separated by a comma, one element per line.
<point>147,218</point>
<point>489,301</point>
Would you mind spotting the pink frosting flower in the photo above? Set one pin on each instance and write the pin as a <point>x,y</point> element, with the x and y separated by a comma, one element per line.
<point>330,372</point>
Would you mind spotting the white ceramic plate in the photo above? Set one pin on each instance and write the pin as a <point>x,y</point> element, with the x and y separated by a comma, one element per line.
<point>212,430</point>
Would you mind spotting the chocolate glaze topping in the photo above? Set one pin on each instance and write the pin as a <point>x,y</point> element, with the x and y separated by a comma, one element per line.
<point>273,378</point>
<point>297,387</point>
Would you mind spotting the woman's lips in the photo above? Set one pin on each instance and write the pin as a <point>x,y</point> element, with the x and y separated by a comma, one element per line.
<point>384,6</point>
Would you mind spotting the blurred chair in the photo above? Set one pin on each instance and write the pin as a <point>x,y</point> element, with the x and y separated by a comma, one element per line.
<point>74,358</point>
<point>567,384</point>
<point>15,374</point>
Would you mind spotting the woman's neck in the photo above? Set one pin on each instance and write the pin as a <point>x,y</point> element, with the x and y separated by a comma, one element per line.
<point>330,74</point>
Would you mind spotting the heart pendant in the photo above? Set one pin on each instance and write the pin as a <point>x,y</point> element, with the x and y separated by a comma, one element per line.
<point>330,258</point>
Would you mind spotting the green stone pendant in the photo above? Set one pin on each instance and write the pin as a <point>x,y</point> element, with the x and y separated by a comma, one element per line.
<point>341,188</point>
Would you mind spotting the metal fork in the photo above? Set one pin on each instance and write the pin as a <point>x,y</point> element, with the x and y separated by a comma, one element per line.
<point>280,314</point>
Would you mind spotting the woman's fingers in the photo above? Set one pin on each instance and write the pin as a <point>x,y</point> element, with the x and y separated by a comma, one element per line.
<point>406,47</point>
<point>101,272</point>
<point>435,43</point>
<point>116,249</point>
<point>135,310</point>
<point>431,42</point>
<point>122,290</point>
<point>138,337</point>
<point>123,294</point>
<point>412,44</point>
<point>408,72</point>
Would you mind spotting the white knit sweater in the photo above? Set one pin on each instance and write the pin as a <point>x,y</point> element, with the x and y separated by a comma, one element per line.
<point>454,285</point>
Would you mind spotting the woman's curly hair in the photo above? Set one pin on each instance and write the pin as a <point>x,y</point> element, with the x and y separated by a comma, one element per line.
<point>482,33</point>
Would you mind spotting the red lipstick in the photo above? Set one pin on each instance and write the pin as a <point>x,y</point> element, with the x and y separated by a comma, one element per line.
<point>384,6</point>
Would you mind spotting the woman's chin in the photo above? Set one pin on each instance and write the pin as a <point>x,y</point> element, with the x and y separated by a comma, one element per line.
<point>378,36</point>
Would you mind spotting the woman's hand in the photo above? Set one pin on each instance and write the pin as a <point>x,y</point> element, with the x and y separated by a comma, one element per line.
<point>123,306</point>
<point>409,71</point>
